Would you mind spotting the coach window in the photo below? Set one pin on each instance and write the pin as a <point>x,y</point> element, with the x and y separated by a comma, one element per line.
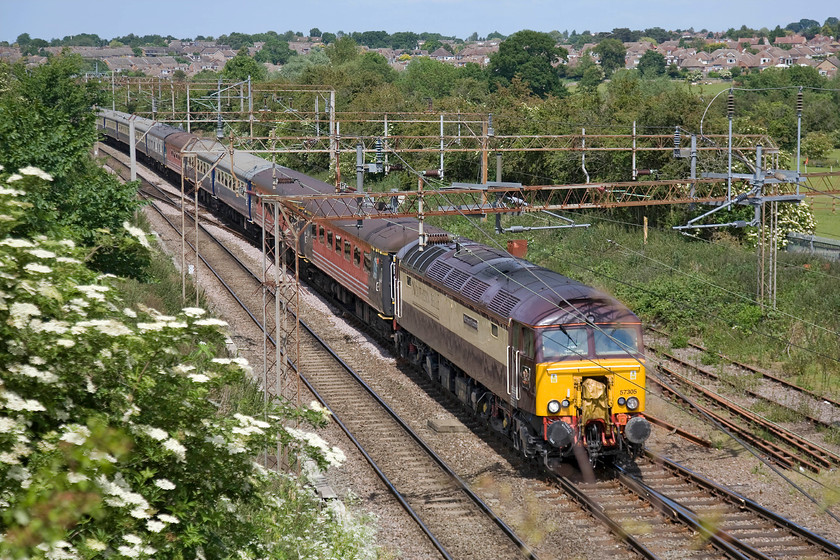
<point>314,230</point>
<point>337,243</point>
<point>329,239</point>
<point>347,250</point>
<point>321,234</point>
<point>357,256</point>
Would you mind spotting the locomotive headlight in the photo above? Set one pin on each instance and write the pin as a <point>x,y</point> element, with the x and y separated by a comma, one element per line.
<point>632,403</point>
<point>553,407</point>
<point>565,403</point>
<point>621,401</point>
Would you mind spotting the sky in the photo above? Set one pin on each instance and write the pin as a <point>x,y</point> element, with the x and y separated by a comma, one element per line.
<point>48,19</point>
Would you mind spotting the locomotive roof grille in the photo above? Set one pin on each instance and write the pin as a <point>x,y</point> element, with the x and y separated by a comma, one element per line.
<point>503,302</point>
<point>475,288</point>
<point>438,271</point>
<point>456,279</point>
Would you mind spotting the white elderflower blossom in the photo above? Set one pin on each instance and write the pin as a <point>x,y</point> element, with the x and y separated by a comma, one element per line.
<point>137,233</point>
<point>68,260</point>
<point>128,551</point>
<point>34,373</point>
<point>75,433</point>
<point>133,539</point>
<point>166,518</point>
<point>8,425</point>
<point>42,253</point>
<point>68,243</point>
<point>177,325</point>
<point>79,302</point>
<point>154,433</point>
<point>193,311</point>
<point>38,268</point>
<point>67,343</point>
<point>14,177</point>
<point>164,484</point>
<point>324,411</point>
<point>95,545</point>
<point>151,327</point>
<point>30,170</point>
<point>15,402</point>
<point>155,526</point>
<point>15,243</point>
<point>198,378</point>
<point>20,312</point>
<point>54,327</point>
<point>139,513</point>
<point>210,322</point>
<point>97,455</point>
<point>176,448</point>
<point>130,313</point>
<point>75,478</point>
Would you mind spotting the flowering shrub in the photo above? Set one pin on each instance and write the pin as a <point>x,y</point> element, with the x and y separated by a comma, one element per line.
<point>110,445</point>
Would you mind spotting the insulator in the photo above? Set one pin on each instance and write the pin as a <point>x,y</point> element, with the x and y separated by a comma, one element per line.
<point>676,138</point>
<point>799,103</point>
<point>730,105</point>
<point>379,157</point>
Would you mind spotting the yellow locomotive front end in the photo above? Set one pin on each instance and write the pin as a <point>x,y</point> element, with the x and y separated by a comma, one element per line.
<point>590,388</point>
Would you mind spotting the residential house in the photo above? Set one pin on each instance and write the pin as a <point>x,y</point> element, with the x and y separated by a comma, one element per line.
<point>829,67</point>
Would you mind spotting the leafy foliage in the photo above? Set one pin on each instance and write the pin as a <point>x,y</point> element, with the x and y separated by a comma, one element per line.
<point>530,55</point>
<point>243,66</point>
<point>46,119</point>
<point>110,444</point>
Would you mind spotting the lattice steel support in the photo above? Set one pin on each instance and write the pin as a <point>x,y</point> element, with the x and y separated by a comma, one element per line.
<point>281,304</point>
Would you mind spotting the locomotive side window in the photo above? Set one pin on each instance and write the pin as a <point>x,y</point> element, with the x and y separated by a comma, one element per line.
<point>367,261</point>
<point>494,330</point>
<point>357,256</point>
<point>346,250</point>
<point>528,340</point>
<point>314,230</point>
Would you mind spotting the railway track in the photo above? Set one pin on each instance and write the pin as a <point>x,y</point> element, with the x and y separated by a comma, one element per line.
<point>453,517</point>
<point>674,513</point>
<point>438,499</point>
<point>781,445</point>
<point>820,410</point>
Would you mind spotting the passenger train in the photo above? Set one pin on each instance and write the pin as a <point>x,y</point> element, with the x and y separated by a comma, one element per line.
<point>553,364</point>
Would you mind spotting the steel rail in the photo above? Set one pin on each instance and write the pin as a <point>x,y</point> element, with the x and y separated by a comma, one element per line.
<point>746,503</point>
<point>526,550</point>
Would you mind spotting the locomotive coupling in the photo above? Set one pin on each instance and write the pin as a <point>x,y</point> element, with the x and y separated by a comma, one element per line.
<point>637,430</point>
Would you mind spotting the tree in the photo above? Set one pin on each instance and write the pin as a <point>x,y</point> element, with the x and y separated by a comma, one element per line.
<point>817,145</point>
<point>652,64</point>
<point>314,32</point>
<point>242,66</point>
<point>611,53</point>
<point>531,55</point>
<point>342,50</point>
<point>275,51</point>
<point>328,38</point>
